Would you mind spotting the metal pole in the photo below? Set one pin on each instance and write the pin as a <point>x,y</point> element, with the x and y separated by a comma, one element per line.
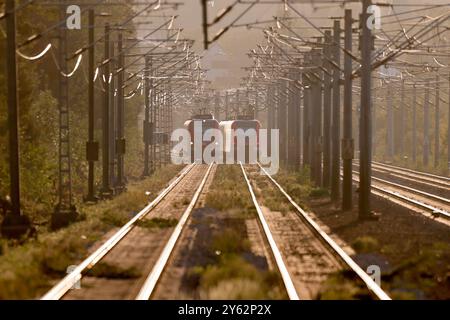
<point>365,174</point>
<point>316,123</point>
<point>216,104</point>
<point>153,110</point>
<point>336,117</point>
<point>426,125</point>
<point>306,116</point>
<point>120,143</point>
<point>436,124</point>
<point>106,191</point>
<point>327,112</point>
<point>65,213</point>
<point>256,111</point>
<point>299,119</point>
<point>348,142</point>
<point>270,114</point>
<point>292,124</point>
<point>226,105</point>
<point>147,123</point>
<point>92,146</point>
<point>250,110</point>
<point>14,224</point>
<point>205,23</point>
<point>401,131</point>
<point>390,124</point>
<point>237,104</point>
<point>171,120</point>
<point>374,124</point>
<point>112,119</point>
<point>282,119</point>
<point>448,128</point>
<point>414,125</point>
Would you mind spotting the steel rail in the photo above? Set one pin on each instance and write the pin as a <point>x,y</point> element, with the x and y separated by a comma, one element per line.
<point>153,277</point>
<point>60,289</point>
<point>370,283</point>
<point>411,178</point>
<point>289,285</point>
<point>416,191</point>
<point>434,181</point>
<point>409,200</point>
<point>425,174</point>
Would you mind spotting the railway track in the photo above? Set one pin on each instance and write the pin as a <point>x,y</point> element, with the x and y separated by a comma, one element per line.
<point>286,277</point>
<point>128,242</point>
<point>424,195</point>
<point>425,177</point>
<point>429,182</point>
<point>322,255</point>
<point>317,253</point>
<point>154,276</point>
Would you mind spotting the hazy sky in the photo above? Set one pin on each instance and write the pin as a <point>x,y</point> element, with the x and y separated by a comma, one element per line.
<point>237,42</point>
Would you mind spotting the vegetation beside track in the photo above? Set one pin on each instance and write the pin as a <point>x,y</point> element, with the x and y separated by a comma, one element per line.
<point>411,250</point>
<point>296,183</point>
<point>28,269</point>
<point>38,118</point>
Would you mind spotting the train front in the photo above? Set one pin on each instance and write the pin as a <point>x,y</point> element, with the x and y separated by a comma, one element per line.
<point>197,127</point>
<point>241,139</point>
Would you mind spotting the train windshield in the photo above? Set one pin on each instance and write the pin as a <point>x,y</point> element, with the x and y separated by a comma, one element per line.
<point>209,124</point>
<point>245,125</point>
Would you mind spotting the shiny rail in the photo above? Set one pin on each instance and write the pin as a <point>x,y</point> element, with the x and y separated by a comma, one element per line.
<point>61,289</point>
<point>287,281</point>
<point>417,203</point>
<point>370,283</point>
<point>154,276</point>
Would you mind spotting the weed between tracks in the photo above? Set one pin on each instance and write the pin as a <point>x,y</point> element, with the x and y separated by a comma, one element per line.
<point>157,223</point>
<point>296,183</point>
<point>29,269</point>
<point>106,270</point>
<point>231,271</point>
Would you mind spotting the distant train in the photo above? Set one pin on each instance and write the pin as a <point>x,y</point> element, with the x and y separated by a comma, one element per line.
<point>231,145</point>
<point>208,122</point>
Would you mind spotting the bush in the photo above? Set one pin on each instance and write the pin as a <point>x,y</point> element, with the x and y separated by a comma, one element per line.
<point>365,244</point>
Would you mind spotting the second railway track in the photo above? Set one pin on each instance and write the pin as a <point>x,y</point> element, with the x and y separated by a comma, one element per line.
<point>306,254</point>
<point>134,248</point>
<point>426,194</point>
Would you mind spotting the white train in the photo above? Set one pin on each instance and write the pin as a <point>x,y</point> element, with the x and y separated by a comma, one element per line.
<point>247,145</point>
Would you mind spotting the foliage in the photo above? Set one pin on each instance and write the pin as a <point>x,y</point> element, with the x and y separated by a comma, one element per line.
<point>29,270</point>
<point>38,84</point>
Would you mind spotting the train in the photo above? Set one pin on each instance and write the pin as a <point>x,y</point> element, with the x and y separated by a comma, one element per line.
<point>208,122</point>
<point>231,143</point>
<point>229,129</point>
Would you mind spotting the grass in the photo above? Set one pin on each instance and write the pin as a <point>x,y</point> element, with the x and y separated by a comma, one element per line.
<point>234,278</point>
<point>157,223</point>
<point>428,270</point>
<point>27,270</point>
<point>229,192</point>
<point>365,244</point>
<point>109,271</point>
<point>342,286</point>
<point>295,183</point>
<point>230,273</point>
<point>231,240</point>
